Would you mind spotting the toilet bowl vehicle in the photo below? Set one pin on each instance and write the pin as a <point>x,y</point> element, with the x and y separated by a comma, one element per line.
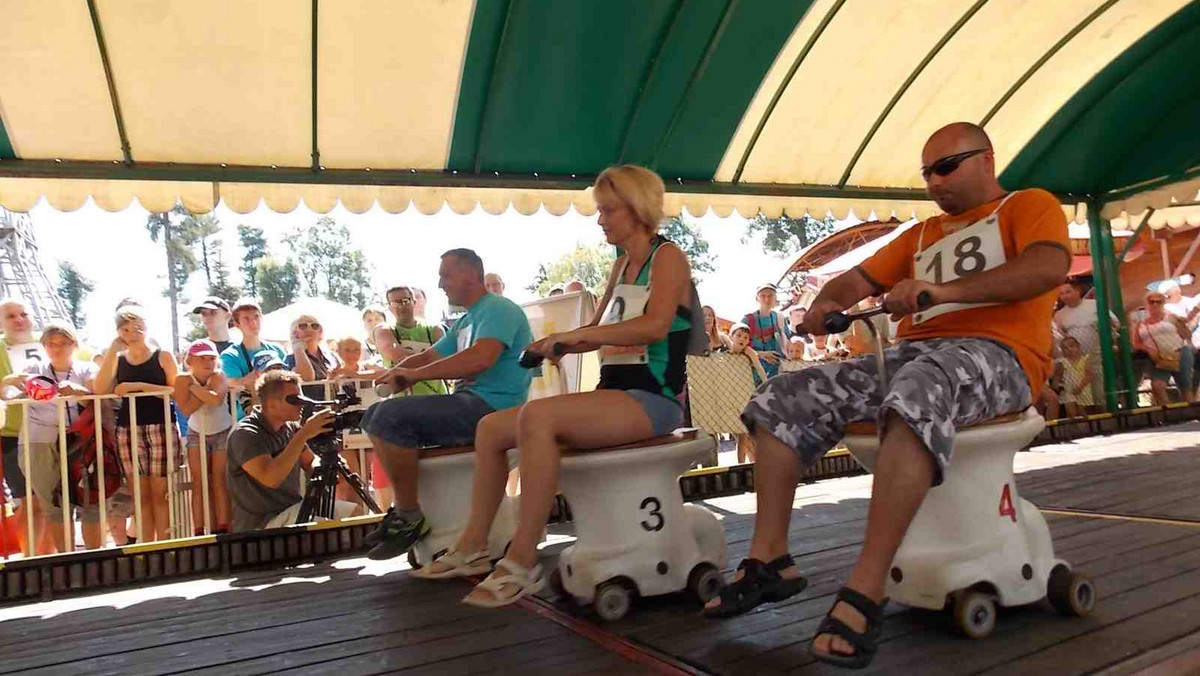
<point>635,536</point>
<point>975,543</point>
<point>445,482</point>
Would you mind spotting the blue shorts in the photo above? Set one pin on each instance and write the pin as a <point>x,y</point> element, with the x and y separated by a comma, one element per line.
<point>430,420</point>
<point>665,413</point>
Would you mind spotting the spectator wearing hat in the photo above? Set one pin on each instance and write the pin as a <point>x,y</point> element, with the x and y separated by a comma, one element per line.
<point>237,359</point>
<point>70,377</point>
<point>201,394</point>
<point>214,313</point>
<point>767,333</point>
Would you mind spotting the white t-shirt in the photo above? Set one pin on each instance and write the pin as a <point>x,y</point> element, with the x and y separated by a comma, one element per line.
<point>1079,322</point>
<point>43,416</point>
<point>1182,308</point>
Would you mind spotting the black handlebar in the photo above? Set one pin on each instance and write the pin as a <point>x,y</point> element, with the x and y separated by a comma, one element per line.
<point>529,360</point>
<point>837,322</point>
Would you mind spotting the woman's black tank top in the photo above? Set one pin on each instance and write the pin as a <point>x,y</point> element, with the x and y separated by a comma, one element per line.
<point>149,408</point>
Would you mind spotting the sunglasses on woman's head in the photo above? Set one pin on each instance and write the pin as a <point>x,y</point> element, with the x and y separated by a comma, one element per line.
<point>948,164</point>
<point>304,326</point>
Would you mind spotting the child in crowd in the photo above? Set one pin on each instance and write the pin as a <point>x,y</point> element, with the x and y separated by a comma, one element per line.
<point>796,348</point>
<point>350,351</point>
<point>201,395</point>
<point>739,338</point>
<point>130,366</point>
<point>44,468</point>
<point>1076,377</point>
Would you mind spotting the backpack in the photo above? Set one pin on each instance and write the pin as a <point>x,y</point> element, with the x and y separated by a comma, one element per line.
<point>82,484</point>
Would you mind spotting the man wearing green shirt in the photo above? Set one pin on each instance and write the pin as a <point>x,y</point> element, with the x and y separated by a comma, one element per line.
<point>409,336</point>
<point>18,347</point>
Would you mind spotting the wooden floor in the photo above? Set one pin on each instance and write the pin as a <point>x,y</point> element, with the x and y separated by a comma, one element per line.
<point>360,617</point>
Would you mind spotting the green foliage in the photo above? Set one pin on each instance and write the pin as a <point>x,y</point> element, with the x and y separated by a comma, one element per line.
<point>219,284</point>
<point>589,264</point>
<point>278,283</point>
<point>176,229</point>
<point>785,235</point>
<point>254,244</point>
<point>329,266</point>
<point>693,245</point>
<point>74,288</point>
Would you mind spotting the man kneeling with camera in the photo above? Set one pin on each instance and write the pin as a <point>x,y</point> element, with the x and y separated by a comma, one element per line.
<point>266,451</point>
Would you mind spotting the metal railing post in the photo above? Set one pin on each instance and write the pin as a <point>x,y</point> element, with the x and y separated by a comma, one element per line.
<point>64,490</point>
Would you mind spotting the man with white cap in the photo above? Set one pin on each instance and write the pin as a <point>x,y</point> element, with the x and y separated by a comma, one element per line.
<point>767,334</point>
<point>214,313</point>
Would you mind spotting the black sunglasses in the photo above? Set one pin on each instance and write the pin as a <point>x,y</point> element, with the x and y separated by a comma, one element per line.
<point>304,326</point>
<point>948,164</point>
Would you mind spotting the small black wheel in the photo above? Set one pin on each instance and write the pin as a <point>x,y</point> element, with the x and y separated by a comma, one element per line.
<point>613,600</point>
<point>1072,594</point>
<point>705,582</point>
<point>412,559</point>
<point>974,613</point>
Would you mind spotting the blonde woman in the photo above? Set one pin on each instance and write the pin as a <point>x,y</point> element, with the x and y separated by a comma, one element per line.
<point>131,366</point>
<point>642,337</point>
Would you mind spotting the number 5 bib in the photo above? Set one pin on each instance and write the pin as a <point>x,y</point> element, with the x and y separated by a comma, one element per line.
<point>969,251</point>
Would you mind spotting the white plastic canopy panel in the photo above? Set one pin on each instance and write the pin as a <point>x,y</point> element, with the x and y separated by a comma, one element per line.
<point>236,75</point>
<point>388,78</point>
<point>34,114</point>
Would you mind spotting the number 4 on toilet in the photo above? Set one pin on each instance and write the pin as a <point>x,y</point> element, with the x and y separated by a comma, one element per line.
<point>1006,504</point>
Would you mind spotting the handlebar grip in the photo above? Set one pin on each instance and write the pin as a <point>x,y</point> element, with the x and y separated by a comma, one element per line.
<point>924,300</point>
<point>529,360</point>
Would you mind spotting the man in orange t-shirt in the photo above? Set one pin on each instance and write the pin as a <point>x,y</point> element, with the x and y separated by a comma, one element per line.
<point>991,266</point>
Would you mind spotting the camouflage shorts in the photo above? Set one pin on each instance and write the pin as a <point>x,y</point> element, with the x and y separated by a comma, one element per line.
<point>935,385</point>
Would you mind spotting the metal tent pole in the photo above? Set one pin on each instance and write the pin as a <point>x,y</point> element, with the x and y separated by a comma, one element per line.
<point>1102,304</point>
<point>1124,365</point>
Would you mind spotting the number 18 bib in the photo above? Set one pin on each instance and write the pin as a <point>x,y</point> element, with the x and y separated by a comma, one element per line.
<point>969,251</point>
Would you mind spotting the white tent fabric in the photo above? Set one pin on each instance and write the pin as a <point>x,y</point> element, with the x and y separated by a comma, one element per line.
<point>851,258</point>
<point>337,320</point>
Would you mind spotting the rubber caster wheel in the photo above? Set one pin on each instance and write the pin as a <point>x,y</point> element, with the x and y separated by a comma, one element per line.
<point>412,559</point>
<point>705,582</point>
<point>974,613</point>
<point>613,600</point>
<point>1072,594</point>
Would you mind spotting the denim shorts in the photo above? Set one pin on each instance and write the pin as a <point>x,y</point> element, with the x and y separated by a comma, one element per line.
<point>430,420</point>
<point>665,413</point>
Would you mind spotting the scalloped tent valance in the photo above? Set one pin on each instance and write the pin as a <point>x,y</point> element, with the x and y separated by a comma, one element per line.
<point>743,107</point>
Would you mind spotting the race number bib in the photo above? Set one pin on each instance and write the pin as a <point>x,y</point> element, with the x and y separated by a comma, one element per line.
<point>412,347</point>
<point>628,302</point>
<point>969,251</point>
<point>21,355</point>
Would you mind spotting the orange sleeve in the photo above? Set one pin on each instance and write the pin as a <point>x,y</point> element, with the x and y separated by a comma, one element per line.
<point>1038,218</point>
<point>894,262</point>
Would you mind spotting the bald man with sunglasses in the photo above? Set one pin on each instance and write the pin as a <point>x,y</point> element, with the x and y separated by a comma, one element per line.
<point>991,265</point>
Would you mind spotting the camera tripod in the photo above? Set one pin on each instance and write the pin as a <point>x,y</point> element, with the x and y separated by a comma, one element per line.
<point>321,492</point>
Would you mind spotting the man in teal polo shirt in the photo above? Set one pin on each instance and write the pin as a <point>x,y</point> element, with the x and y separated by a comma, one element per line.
<point>480,352</point>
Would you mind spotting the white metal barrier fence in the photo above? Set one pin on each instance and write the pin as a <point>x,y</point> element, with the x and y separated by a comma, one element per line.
<point>181,478</point>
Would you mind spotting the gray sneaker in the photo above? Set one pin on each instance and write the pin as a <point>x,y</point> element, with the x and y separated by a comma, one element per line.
<point>376,536</point>
<point>399,536</point>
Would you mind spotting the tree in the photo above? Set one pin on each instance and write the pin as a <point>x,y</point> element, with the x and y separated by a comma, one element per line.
<point>178,230</point>
<point>785,235</point>
<point>278,283</point>
<point>199,229</point>
<point>693,245</point>
<point>329,265</point>
<point>254,244</point>
<point>589,264</point>
<point>219,284</point>
<point>73,288</point>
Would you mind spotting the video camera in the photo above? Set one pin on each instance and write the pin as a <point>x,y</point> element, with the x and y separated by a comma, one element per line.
<point>330,442</point>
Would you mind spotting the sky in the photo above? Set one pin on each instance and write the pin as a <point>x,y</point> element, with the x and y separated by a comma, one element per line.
<point>116,252</point>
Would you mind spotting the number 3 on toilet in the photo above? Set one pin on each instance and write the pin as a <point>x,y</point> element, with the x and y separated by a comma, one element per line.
<point>1006,504</point>
<point>653,505</point>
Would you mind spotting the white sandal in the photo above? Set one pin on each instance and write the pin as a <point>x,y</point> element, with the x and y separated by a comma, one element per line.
<point>458,565</point>
<point>527,580</point>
